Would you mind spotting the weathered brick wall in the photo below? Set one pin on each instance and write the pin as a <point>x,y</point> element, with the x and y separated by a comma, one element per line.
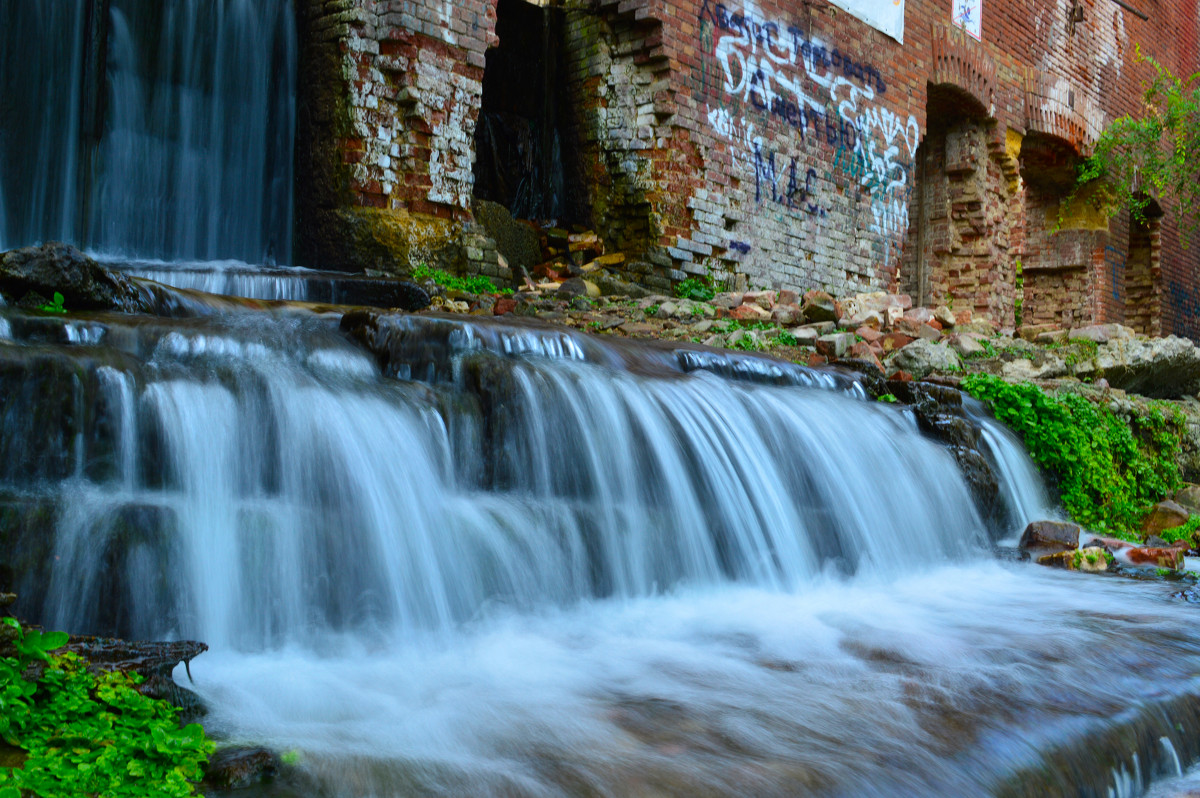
<point>391,93</point>
<point>788,103</point>
<point>765,139</point>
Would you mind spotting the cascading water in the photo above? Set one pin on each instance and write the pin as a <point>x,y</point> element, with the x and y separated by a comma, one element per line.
<point>145,128</point>
<point>531,562</point>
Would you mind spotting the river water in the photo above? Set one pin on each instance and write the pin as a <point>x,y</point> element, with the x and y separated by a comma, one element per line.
<point>533,562</point>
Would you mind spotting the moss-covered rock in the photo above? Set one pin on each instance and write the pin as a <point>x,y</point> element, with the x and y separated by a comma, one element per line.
<point>381,241</point>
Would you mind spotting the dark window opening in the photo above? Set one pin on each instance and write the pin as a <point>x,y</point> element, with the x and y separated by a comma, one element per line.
<point>522,160</point>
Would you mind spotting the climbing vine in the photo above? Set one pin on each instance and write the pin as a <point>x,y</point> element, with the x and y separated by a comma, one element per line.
<point>86,734</point>
<point>1108,471</point>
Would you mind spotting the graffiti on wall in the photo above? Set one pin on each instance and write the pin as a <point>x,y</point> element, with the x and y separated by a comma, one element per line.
<point>1114,259</point>
<point>757,73</point>
<point>1185,300</point>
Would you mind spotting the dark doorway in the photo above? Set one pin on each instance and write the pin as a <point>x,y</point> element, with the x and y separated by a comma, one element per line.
<point>519,149</point>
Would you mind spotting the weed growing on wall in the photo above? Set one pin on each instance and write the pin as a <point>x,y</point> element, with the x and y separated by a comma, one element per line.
<point>1108,471</point>
<point>89,735</point>
<point>1154,155</point>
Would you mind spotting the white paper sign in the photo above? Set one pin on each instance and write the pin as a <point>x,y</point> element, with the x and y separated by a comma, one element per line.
<point>884,15</point>
<point>968,15</point>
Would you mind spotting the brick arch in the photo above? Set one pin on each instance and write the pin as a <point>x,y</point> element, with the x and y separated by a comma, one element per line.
<point>964,64</point>
<point>1056,107</point>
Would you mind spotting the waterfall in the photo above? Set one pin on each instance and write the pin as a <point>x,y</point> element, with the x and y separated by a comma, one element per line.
<point>548,479</point>
<point>526,561</point>
<point>148,129</point>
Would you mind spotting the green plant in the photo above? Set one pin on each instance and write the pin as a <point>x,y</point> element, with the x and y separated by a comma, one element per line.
<point>1107,476</point>
<point>691,288</point>
<point>89,734</point>
<point>1155,154</point>
<point>652,310</point>
<point>886,397</point>
<point>55,306</point>
<point>785,338</point>
<point>1185,531</point>
<point>471,284</point>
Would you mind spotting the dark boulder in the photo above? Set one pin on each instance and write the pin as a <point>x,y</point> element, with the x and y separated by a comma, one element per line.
<point>1050,535</point>
<point>237,768</point>
<point>56,267</point>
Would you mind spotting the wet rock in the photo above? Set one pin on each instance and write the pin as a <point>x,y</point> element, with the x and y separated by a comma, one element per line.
<point>1089,560</point>
<point>379,293</point>
<point>950,428</point>
<point>1060,535</point>
<point>1147,557</point>
<point>1165,515</point>
<point>84,283</point>
<point>921,358</point>
<point>237,768</point>
<point>983,483</point>
<point>504,305</point>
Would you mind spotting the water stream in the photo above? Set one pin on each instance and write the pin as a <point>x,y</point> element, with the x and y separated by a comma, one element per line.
<point>532,562</point>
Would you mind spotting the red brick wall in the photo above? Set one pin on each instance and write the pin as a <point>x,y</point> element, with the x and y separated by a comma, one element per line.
<point>770,139</point>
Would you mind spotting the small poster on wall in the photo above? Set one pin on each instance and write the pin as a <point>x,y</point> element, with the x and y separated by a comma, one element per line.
<point>968,15</point>
<point>884,15</point>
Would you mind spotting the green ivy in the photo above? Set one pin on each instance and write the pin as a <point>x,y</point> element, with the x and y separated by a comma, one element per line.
<point>1108,471</point>
<point>471,284</point>
<point>88,734</point>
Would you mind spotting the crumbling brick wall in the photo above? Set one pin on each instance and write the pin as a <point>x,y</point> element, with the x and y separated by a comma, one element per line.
<point>390,97</point>
<point>769,141</point>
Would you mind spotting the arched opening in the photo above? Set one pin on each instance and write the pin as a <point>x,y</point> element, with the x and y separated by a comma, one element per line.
<point>957,241</point>
<point>1063,241</point>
